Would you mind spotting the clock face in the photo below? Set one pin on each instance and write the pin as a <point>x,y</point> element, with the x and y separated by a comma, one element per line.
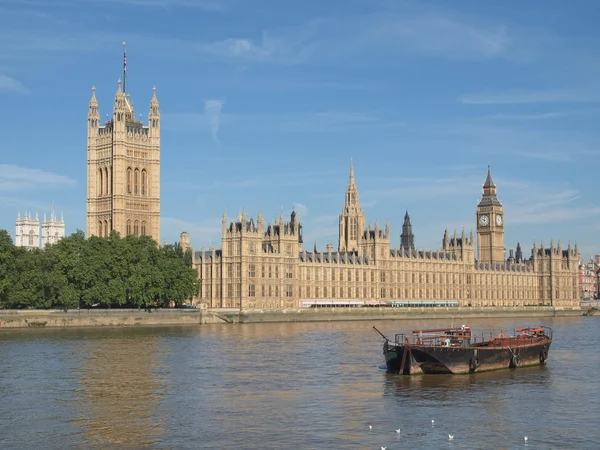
<point>484,221</point>
<point>499,220</point>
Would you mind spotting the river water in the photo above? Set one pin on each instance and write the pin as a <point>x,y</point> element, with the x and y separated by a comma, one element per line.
<point>280,386</point>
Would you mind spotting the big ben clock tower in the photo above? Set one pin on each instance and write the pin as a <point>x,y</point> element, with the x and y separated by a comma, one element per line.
<point>490,224</point>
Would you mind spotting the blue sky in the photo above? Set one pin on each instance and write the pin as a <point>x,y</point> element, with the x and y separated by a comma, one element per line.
<point>265,102</point>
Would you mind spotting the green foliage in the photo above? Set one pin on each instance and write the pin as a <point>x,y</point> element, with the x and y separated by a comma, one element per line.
<point>108,272</point>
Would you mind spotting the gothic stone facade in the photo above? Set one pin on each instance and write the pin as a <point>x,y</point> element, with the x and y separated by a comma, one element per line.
<point>27,230</point>
<point>123,179</point>
<point>266,267</point>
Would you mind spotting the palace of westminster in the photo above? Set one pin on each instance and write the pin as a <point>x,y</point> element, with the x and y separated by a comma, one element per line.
<point>266,266</point>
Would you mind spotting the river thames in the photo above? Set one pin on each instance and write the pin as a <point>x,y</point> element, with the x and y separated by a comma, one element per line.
<point>292,385</point>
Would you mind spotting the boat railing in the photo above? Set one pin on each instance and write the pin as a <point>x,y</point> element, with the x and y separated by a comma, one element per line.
<point>518,337</point>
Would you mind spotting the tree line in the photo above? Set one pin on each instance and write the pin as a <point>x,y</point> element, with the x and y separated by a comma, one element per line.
<point>112,272</point>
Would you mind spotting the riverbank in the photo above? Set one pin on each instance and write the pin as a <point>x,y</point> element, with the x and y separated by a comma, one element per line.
<point>135,317</point>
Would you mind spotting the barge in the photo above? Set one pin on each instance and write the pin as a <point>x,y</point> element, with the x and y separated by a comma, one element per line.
<point>457,351</point>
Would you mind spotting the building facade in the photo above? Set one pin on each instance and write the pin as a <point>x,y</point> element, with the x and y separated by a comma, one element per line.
<point>265,266</point>
<point>588,279</point>
<point>27,230</point>
<point>123,170</point>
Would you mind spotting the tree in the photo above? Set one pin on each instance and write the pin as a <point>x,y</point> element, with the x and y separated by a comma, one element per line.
<point>107,272</point>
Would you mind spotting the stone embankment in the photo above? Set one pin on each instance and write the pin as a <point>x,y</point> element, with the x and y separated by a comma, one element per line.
<point>135,317</point>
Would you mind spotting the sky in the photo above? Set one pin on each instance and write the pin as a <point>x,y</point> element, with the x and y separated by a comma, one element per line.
<point>264,103</point>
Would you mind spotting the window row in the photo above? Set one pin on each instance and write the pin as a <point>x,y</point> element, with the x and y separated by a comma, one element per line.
<point>137,181</point>
<point>104,181</point>
<point>104,227</point>
<point>139,229</point>
<point>270,291</point>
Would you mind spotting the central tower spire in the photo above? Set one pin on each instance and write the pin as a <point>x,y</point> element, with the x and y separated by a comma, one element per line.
<point>352,219</point>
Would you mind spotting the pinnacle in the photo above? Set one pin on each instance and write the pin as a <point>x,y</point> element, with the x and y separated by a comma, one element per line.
<point>93,99</point>
<point>488,181</point>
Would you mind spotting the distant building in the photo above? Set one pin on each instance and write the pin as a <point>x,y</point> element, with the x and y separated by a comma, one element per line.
<point>52,230</point>
<point>588,280</point>
<point>27,230</point>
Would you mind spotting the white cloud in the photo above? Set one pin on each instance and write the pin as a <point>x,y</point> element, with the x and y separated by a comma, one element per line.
<point>520,97</point>
<point>541,204</point>
<point>206,232</point>
<point>11,85</point>
<point>212,111</point>
<point>541,116</point>
<point>301,210</point>
<point>207,5</point>
<point>18,178</point>
<point>443,36</point>
<point>320,228</point>
<point>288,45</point>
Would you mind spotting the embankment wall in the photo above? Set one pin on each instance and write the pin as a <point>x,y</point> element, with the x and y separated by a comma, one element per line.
<point>134,317</point>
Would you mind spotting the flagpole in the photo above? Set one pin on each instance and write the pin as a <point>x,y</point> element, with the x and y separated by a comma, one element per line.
<point>124,66</point>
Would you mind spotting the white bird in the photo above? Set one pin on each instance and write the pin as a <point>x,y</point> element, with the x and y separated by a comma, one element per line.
<point>370,427</point>
<point>383,448</point>
<point>525,438</point>
<point>398,431</point>
<point>432,421</point>
<point>450,437</point>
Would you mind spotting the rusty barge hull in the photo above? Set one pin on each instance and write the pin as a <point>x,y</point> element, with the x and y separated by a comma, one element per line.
<point>415,359</point>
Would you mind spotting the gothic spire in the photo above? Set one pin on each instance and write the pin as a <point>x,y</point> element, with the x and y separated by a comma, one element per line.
<point>489,183</point>
<point>407,238</point>
<point>93,100</point>
<point>154,99</point>
<point>351,181</point>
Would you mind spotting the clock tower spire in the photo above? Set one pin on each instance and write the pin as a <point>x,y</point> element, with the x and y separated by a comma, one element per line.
<point>490,224</point>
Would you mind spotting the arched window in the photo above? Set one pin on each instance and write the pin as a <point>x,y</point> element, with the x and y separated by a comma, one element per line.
<point>136,181</point>
<point>128,228</point>
<point>100,229</point>
<point>106,190</point>
<point>136,230</point>
<point>143,182</point>
<point>143,231</point>
<point>129,180</point>
<point>106,228</point>
<point>100,183</point>
<point>31,238</point>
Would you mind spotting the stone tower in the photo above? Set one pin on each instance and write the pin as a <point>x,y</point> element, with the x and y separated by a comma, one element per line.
<point>490,224</point>
<point>123,180</point>
<point>27,231</point>
<point>407,238</point>
<point>352,219</point>
<point>53,230</point>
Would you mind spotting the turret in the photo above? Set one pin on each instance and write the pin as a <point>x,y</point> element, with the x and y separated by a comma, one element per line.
<point>407,238</point>
<point>154,116</point>
<point>260,223</point>
<point>93,114</point>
